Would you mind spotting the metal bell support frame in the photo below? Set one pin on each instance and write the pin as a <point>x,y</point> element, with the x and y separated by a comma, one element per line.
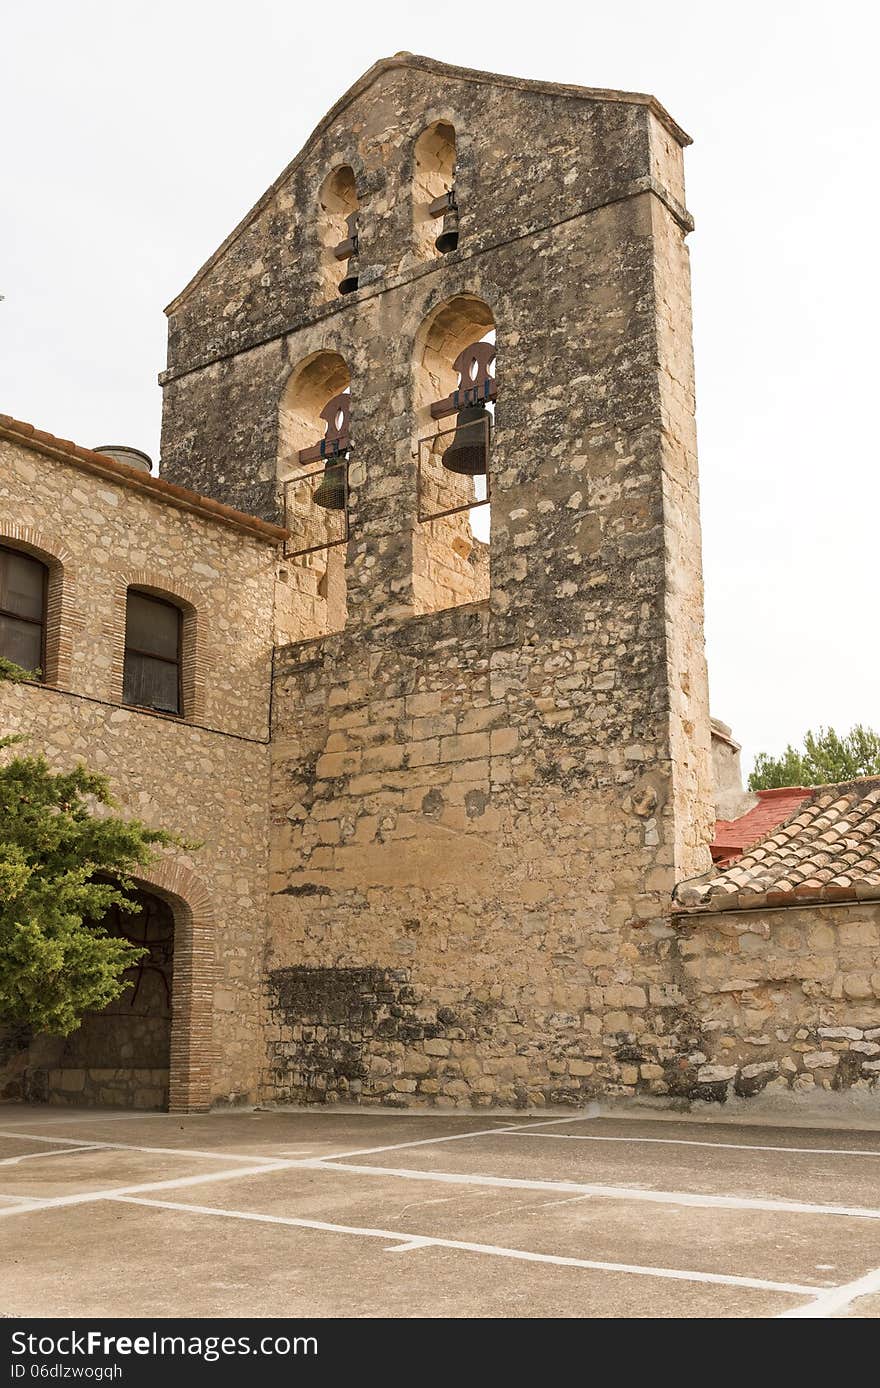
<point>446,207</point>
<point>330,493</point>
<point>467,454</point>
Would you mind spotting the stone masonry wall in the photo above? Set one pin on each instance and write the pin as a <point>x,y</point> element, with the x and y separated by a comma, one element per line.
<point>203,776</point>
<point>527,158</point>
<point>788,999</point>
<point>479,814</point>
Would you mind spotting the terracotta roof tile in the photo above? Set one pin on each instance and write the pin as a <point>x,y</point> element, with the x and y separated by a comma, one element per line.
<point>734,836</point>
<point>827,849</point>
<point>17,431</point>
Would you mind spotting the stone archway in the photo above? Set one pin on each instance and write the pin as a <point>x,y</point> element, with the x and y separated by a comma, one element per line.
<point>192,1056</point>
<point>120,1056</point>
<point>154,1047</point>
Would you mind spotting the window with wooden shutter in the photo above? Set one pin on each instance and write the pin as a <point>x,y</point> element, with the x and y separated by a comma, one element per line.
<point>22,609</point>
<point>151,676</point>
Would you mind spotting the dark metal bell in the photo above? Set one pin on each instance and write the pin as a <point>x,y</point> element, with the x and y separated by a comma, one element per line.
<point>448,239</point>
<point>330,492</point>
<point>350,283</point>
<point>348,250</point>
<point>467,454</point>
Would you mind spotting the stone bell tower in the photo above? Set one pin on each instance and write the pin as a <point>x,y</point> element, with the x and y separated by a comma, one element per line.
<point>491,739</point>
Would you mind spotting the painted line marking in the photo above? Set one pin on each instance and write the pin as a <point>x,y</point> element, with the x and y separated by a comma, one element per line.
<point>656,1197</point>
<point>835,1299</point>
<point>88,1118</point>
<point>55,1152</point>
<point>693,1142</point>
<point>404,1242</point>
<point>86,1197</point>
<point>74,1143</point>
<point>460,1137</point>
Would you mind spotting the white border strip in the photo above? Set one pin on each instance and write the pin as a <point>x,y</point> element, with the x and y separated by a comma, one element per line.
<point>694,1142</point>
<point>54,1152</point>
<point>74,1144</point>
<point>828,1303</point>
<point>405,1242</point>
<point>86,1197</point>
<point>655,1197</point>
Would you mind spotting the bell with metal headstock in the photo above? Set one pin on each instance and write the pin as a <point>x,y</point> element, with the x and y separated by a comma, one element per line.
<point>348,250</point>
<point>330,491</point>
<point>468,452</point>
<point>448,239</point>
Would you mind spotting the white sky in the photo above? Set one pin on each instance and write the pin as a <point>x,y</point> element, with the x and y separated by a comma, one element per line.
<point>135,135</point>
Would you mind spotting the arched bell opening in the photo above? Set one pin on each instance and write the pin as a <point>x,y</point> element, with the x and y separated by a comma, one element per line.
<point>435,207</point>
<point>338,207</point>
<point>453,396</point>
<point>313,451</point>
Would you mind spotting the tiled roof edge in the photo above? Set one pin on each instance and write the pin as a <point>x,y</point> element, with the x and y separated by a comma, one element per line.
<point>27,436</point>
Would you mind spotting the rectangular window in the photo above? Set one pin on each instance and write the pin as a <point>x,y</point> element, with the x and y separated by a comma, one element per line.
<point>151,676</point>
<point>22,608</point>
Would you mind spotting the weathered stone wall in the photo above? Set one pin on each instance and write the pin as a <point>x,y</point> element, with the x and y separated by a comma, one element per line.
<point>480,813</point>
<point>204,775</point>
<point>788,999</point>
<point>488,769</point>
<point>527,158</point>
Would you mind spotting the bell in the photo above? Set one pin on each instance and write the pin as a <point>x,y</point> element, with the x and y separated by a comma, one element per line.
<point>350,283</point>
<point>448,239</point>
<point>330,491</point>
<point>467,452</point>
<point>348,249</point>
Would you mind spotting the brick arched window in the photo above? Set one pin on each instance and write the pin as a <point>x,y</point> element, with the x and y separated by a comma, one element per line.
<point>23,589</point>
<point>152,669</point>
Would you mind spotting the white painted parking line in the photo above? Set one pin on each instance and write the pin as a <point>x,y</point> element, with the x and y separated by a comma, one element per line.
<point>86,1197</point>
<point>406,1242</point>
<point>694,1142</point>
<point>591,1113</point>
<point>86,1116</point>
<point>53,1152</point>
<point>835,1299</point>
<point>656,1197</point>
<point>73,1143</point>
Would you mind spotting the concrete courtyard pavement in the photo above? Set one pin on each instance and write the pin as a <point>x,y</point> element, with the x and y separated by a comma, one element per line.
<point>368,1214</point>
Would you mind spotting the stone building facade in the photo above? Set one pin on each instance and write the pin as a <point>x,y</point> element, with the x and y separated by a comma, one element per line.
<point>101,528</point>
<point>482,795</point>
<point>444,785</point>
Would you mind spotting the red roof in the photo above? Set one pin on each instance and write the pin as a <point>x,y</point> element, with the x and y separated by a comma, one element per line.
<point>774,807</point>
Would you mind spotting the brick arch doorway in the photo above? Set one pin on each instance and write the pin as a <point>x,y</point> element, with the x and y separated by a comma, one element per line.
<point>192,1052</point>
<point>120,1056</point>
<point>183,1030</point>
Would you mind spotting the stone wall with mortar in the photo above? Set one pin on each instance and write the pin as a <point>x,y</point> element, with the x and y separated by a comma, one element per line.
<point>204,775</point>
<point>528,157</point>
<point>488,768</point>
<point>787,999</point>
<point>479,813</point>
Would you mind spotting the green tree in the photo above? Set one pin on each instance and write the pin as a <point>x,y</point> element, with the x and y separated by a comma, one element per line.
<point>826,757</point>
<point>63,863</point>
